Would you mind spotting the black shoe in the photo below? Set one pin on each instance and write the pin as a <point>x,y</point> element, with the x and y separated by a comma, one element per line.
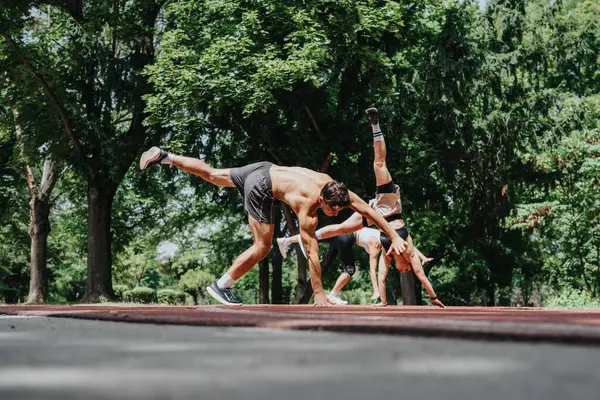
<point>372,114</point>
<point>223,296</point>
<point>151,157</point>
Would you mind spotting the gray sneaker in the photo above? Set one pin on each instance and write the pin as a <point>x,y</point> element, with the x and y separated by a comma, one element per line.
<point>152,156</point>
<point>223,296</point>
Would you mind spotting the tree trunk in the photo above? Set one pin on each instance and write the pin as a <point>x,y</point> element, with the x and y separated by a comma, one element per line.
<point>39,223</point>
<point>39,228</point>
<point>277,281</point>
<point>303,290</point>
<point>597,269</point>
<point>407,286</point>
<point>579,248</point>
<point>22,290</point>
<point>489,294</point>
<point>277,263</point>
<point>418,291</point>
<point>99,274</point>
<point>263,277</point>
<point>392,287</point>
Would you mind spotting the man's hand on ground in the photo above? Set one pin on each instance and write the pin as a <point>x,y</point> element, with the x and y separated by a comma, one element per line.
<point>438,303</point>
<point>321,300</point>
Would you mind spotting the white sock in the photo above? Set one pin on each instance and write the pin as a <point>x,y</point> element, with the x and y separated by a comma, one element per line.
<point>319,235</point>
<point>333,293</point>
<point>375,128</point>
<point>168,159</point>
<point>377,134</point>
<point>225,282</point>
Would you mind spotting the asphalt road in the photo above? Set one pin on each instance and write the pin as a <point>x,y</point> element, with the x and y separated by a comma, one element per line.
<point>50,358</point>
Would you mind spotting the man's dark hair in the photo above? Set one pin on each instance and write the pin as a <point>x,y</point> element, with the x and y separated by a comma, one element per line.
<point>335,194</point>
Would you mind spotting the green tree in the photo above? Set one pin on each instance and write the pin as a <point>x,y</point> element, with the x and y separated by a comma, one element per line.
<point>565,218</point>
<point>13,216</point>
<point>275,78</point>
<point>87,58</point>
<point>29,117</point>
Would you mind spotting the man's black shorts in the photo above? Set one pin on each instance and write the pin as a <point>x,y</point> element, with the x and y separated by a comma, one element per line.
<point>254,183</point>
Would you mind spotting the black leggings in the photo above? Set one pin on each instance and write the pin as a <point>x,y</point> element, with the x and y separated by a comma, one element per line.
<point>344,244</point>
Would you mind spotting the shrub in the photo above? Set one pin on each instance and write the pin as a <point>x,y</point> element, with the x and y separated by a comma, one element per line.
<point>144,295</point>
<point>171,297</point>
<point>572,299</point>
<point>194,281</point>
<point>119,291</point>
<point>67,282</point>
<point>356,296</point>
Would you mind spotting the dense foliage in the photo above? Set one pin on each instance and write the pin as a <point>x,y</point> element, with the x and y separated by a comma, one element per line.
<point>491,116</point>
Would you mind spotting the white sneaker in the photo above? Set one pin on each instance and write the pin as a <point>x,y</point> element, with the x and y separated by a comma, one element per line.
<point>283,244</point>
<point>337,300</point>
<point>379,304</point>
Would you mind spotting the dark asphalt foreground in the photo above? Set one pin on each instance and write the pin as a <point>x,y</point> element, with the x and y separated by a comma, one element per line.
<point>56,358</point>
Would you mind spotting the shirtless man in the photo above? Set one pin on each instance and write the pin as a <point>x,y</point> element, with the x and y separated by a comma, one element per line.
<point>261,185</point>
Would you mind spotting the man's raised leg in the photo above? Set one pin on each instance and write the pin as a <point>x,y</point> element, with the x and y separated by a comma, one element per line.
<point>220,289</point>
<point>155,155</point>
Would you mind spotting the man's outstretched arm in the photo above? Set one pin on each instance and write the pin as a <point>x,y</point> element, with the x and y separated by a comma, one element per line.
<point>360,206</point>
<point>352,224</point>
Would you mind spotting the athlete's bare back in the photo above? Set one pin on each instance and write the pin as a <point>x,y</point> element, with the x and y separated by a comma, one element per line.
<point>298,187</point>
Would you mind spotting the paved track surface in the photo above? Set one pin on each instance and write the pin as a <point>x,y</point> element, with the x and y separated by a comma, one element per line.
<point>512,324</point>
<point>66,359</point>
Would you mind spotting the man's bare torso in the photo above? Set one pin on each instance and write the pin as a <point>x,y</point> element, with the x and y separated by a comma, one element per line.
<point>298,187</point>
